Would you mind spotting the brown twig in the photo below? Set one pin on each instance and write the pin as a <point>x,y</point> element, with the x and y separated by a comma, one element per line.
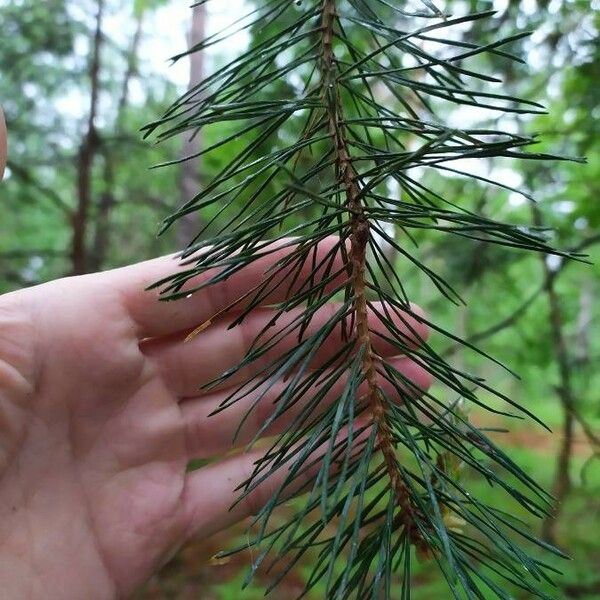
<point>358,249</point>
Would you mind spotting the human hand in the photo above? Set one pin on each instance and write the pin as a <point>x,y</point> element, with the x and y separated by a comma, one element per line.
<point>100,415</point>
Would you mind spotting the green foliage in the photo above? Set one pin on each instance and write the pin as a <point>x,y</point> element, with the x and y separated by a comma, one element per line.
<point>329,121</point>
<point>45,81</point>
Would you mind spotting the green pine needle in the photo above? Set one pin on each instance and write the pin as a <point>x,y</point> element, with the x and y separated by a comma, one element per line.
<point>337,104</point>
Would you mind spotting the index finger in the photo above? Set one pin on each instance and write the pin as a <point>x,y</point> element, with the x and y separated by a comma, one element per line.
<point>155,318</point>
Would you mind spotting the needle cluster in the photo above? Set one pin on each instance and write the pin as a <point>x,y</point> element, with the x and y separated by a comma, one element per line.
<point>331,118</point>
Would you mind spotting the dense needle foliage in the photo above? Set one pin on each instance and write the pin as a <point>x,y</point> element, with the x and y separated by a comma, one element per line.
<point>340,110</point>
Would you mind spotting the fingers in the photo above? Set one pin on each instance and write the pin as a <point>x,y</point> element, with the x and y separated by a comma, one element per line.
<point>154,318</point>
<point>208,435</point>
<point>185,366</point>
<point>3,144</point>
<point>211,494</point>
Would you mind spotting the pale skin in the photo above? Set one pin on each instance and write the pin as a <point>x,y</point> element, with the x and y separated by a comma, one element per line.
<point>100,415</point>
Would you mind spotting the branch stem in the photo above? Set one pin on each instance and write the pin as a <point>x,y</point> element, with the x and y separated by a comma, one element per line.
<point>359,240</point>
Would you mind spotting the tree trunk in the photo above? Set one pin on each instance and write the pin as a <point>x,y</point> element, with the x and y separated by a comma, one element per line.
<point>85,159</point>
<point>584,322</point>
<point>562,478</point>
<point>107,200</point>
<point>187,226</point>
<point>3,144</point>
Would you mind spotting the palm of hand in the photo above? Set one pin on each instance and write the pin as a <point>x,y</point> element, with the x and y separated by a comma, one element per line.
<point>99,417</point>
<point>100,446</point>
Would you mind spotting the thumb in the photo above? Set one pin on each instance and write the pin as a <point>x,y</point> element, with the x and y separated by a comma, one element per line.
<point>3,146</point>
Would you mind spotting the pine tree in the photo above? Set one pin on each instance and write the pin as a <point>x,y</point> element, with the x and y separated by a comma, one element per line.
<point>331,115</point>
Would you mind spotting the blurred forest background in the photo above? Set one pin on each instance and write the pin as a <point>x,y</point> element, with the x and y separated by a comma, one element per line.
<point>79,78</point>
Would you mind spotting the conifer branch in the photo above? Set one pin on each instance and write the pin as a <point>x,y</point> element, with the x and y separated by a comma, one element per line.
<point>316,117</point>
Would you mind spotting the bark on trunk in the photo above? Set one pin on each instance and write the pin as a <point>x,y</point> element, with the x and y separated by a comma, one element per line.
<point>584,322</point>
<point>562,478</point>
<point>85,159</point>
<point>101,243</point>
<point>187,226</point>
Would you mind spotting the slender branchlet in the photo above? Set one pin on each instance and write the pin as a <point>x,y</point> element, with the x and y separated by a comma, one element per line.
<point>328,139</point>
<point>359,240</point>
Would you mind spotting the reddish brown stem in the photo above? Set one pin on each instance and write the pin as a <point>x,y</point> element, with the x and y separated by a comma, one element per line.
<point>359,240</point>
